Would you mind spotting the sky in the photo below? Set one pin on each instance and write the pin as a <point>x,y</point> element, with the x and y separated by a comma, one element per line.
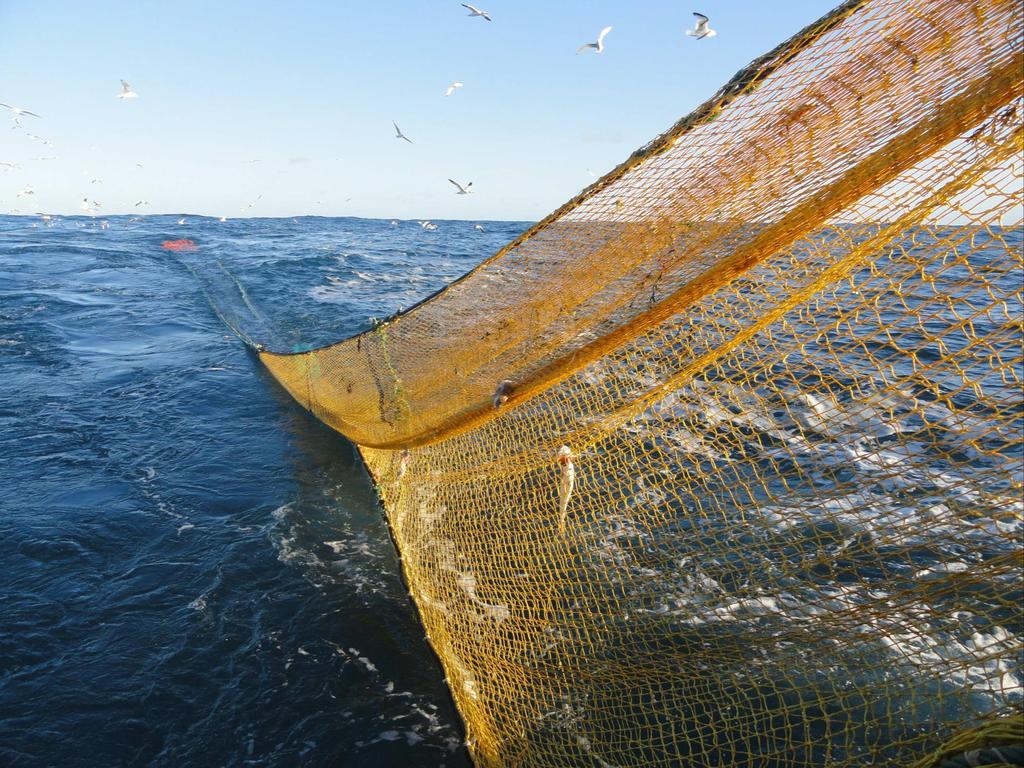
<point>294,101</point>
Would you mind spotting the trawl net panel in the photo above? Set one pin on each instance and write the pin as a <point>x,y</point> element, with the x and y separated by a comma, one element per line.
<point>721,463</point>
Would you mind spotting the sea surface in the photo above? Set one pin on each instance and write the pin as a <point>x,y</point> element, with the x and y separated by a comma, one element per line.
<point>193,571</point>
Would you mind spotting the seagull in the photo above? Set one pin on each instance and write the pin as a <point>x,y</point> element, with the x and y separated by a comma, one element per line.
<point>428,225</point>
<point>597,46</point>
<point>32,136</point>
<point>473,11</point>
<point>45,142</point>
<point>141,202</point>
<point>258,198</point>
<point>463,190</point>
<point>18,113</point>
<point>181,220</point>
<point>222,219</point>
<point>452,87</point>
<point>87,206</point>
<point>478,228</point>
<point>26,192</point>
<point>126,91</point>
<point>96,181</point>
<point>7,166</point>
<point>399,134</point>
<point>701,28</point>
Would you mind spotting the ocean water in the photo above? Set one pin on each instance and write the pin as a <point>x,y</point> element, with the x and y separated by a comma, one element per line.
<point>194,571</point>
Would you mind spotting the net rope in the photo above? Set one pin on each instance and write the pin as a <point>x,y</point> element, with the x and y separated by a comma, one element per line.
<point>721,463</point>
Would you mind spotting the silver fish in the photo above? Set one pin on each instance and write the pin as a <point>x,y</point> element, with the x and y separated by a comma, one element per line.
<point>566,483</point>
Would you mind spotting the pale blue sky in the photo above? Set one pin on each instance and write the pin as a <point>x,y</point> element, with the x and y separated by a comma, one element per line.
<point>311,88</point>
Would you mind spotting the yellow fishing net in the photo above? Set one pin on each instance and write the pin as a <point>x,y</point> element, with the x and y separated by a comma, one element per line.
<point>721,463</point>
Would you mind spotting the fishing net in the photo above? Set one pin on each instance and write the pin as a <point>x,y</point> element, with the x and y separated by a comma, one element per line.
<point>721,463</point>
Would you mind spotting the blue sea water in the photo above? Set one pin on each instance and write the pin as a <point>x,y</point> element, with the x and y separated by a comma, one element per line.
<point>194,571</point>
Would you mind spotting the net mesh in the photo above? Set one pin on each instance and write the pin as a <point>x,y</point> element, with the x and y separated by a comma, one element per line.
<point>721,463</point>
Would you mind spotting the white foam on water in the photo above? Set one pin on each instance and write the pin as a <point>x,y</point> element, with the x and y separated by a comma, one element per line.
<point>688,442</point>
<point>966,662</point>
<point>897,517</point>
<point>430,516</point>
<point>427,602</point>
<point>284,537</point>
<point>942,569</point>
<point>917,636</point>
<point>467,582</point>
<point>356,562</point>
<point>369,665</point>
<point>199,604</point>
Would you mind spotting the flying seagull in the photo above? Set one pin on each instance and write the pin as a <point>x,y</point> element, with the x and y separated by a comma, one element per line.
<point>701,28</point>
<point>399,134</point>
<point>473,11</point>
<point>598,46</point>
<point>18,113</point>
<point>142,202</point>
<point>463,190</point>
<point>26,192</point>
<point>452,87</point>
<point>126,91</point>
